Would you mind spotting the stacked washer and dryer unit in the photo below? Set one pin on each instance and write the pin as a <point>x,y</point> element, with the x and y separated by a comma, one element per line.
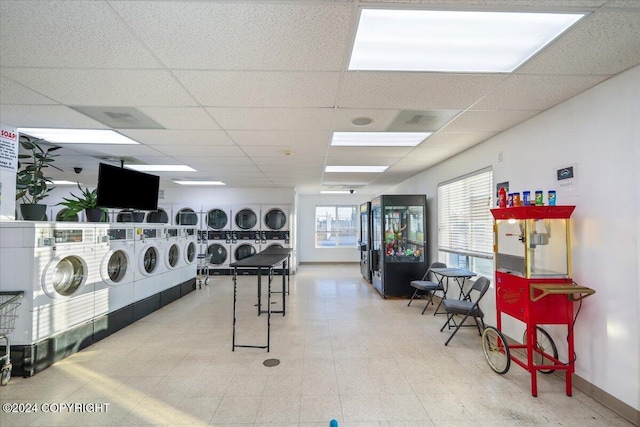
<point>216,237</point>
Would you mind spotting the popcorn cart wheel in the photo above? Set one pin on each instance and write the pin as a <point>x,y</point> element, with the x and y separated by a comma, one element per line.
<point>9,303</point>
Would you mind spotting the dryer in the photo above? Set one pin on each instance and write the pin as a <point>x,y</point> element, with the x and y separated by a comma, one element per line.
<point>186,215</point>
<point>55,214</point>
<point>162,215</point>
<point>115,290</point>
<point>246,217</point>
<point>275,217</point>
<point>216,218</point>
<point>149,261</point>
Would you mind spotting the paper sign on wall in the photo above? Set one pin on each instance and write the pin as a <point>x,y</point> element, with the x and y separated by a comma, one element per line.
<point>8,148</point>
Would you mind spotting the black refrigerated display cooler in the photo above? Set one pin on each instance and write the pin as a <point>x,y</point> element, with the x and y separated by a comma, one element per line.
<point>398,243</point>
<point>364,242</point>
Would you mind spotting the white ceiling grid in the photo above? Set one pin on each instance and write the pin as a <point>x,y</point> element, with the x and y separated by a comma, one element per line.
<point>249,92</point>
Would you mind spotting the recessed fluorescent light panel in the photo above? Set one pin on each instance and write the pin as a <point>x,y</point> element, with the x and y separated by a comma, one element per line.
<point>78,136</point>
<point>62,182</point>
<point>337,192</point>
<point>161,168</point>
<point>453,41</point>
<point>203,183</point>
<point>356,169</point>
<point>378,139</point>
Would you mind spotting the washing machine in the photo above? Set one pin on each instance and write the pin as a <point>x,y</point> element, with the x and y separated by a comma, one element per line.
<point>55,265</point>
<point>244,244</point>
<point>149,247</point>
<point>173,257</point>
<point>115,290</point>
<point>187,215</point>
<point>246,217</point>
<point>189,249</point>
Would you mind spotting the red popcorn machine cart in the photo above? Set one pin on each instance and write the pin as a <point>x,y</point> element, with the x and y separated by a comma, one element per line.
<point>533,284</point>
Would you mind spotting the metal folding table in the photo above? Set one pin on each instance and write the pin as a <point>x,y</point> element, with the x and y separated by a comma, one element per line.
<point>459,275</point>
<point>262,261</point>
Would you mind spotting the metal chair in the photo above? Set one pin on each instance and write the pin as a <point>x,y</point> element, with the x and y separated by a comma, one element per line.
<point>467,307</point>
<point>426,288</point>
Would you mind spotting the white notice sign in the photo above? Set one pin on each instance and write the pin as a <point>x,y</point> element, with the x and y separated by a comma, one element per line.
<point>9,148</point>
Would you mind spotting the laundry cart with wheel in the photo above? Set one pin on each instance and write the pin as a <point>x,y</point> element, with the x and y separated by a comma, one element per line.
<point>203,269</point>
<point>533,285</point>
<point>9,302</point>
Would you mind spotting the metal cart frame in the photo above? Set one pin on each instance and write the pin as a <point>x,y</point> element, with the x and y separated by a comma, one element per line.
<point>9,303</point>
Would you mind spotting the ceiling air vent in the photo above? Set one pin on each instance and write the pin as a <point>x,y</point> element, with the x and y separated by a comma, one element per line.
<point>119,117</point>
<point>421,121</point>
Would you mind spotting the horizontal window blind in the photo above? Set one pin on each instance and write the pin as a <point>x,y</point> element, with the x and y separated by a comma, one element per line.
<point>465,224</point>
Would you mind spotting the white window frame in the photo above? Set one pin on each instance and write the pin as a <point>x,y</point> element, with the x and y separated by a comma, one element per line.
<point>347,234</point>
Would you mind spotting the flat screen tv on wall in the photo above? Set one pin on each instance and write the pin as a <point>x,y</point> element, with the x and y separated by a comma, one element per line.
<point>119,187</point>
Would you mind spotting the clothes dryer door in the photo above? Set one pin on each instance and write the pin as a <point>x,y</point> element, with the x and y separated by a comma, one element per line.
<point>217,219</point>
<point>275,219</point>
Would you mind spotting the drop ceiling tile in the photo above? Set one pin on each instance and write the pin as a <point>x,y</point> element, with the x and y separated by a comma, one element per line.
<point>159,137</point>
<point>202,150</point>
<point>261,89</point>
<point>536,92</point>
<point>269,151</point>
<point>295,161</point>
<point>14,93</point>
<point>116,151</point>
<point>419,91</point>
<point>274,137</point>
<point>304,169</point>
<point>242,35</point>
<point>508,3</point>
<point>47,116</point>
<point>357,152</point>
<point>272,118</point>
<point>381,119</point>
<point>181,117</point>
<point>340,177</point>
<point>450,141</point>
<point>95,87</point>
<point>232,163</point>
<point>361,161</point>
<point>488,121</point>
<point>605,42</point>
<point>68,34</point>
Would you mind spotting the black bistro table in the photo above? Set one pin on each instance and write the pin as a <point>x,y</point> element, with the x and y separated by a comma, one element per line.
<point>459,275</point>
<point>265,261</point>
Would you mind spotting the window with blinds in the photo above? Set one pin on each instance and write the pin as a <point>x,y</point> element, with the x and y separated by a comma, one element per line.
<point>465,224</point>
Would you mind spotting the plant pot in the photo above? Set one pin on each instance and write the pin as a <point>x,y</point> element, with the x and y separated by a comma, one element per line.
<point>94,214</point>
<point>33,211</point>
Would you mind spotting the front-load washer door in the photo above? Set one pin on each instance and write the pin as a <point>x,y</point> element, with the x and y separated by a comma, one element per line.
<point>64,276</point>
<point>275,219</point>
<point>149,261</point>
<point>190,253</point>
<point>218,254</point>
<point>116,267</point>
<point>217,219</point>
<point>244,250</point>
<point>246,219</point>
<point>173,256</point>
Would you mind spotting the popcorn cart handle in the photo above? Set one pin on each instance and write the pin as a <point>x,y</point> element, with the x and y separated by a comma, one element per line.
<point>555,289</point>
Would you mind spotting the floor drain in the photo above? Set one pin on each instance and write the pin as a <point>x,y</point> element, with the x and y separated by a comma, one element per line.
<point>270,363</point>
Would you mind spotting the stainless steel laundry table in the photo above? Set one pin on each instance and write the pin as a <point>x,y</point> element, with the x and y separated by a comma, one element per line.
<point>262,261</point>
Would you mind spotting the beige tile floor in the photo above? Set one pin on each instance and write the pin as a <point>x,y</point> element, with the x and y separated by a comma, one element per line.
<point>345,354</point>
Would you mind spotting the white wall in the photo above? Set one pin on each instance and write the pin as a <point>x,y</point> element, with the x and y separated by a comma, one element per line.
<point>599,133</point>
<point>307,252</point>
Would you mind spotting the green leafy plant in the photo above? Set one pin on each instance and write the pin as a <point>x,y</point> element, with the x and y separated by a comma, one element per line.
<point>31,183</point>
<point>87,200</point>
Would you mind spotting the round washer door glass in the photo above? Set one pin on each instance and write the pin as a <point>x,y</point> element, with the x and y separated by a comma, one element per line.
<point>186,216</point>
<point>218,254</point>
<point>246,219</point>
<point>217,219</point>
<point>150,260</point>
<point>275,219</point>
<point>244,251</point>
<point>68,275</point>
<point>191,252</point>
<point>158,217</point>
<point>174,255</point>
<point>117,266</point>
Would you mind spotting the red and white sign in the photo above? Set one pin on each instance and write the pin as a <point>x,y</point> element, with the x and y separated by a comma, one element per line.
<point>8,148</point>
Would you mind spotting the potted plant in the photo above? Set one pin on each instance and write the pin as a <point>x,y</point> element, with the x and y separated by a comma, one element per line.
<point>31,183</point>
<point>87,201</point>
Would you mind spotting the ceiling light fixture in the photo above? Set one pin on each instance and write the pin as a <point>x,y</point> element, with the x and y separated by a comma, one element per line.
<point>203,183</point>
<point>63,182</point>
<point>378,139</point>
<point>356,169</point>
<point>78,136</point>
<point>161,168</point>
<point>361,121</point>
<point>337,191</point>
<point>453,41</point>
